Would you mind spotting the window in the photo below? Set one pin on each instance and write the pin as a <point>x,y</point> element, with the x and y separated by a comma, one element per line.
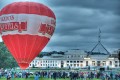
<point>77,61</point>
<point>81,61</point>
<point>68,56</point>
<point>86,63</point>
<point>70,61</point>
<point>81,65</point>
<point>67,61</point>
<point>77,65</point>
<point>74,65</point>
<point>104,63</point>
<point>116,61</point>
<point>74,61</point>
<point>93,63</point>
<point>67,65</point>
<point>98,63</point>
<point>110,62</point>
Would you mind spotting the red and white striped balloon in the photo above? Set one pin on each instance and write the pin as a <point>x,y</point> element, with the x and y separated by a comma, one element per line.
<point>26,28</point>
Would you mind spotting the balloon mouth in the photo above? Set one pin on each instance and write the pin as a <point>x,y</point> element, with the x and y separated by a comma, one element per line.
<point>23,66</point>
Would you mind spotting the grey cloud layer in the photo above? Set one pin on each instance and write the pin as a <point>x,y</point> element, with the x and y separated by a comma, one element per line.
<point>93,4</point>
<point>78,22</point>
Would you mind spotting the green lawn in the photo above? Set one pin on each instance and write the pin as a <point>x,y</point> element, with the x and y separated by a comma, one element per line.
<point>40,79</point>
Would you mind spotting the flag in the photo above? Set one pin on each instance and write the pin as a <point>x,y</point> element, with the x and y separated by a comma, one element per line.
<point>99,30</point>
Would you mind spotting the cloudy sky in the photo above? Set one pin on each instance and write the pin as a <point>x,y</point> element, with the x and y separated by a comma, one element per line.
<point>78,23</point>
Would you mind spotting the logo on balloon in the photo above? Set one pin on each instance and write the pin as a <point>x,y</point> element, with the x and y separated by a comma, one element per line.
<point>45,28</point>
<point>11,26</point>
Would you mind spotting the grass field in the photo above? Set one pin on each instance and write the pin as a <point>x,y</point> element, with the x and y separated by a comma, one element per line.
<point>40,79</point>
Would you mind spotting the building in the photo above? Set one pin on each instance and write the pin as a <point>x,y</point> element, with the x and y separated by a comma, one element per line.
<point>76,59</point>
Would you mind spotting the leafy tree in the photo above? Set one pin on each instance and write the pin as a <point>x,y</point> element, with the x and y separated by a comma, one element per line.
<point>61,52</point>
<point>6,60</point>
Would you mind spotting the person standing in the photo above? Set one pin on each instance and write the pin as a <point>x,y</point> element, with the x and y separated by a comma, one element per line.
<point>36,77</point>
<point>111,75</point>
<point>8,76</point>
<point>54,75</point>
<point>0,74</point>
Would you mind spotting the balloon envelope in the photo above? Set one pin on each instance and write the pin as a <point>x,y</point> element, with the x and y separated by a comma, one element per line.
<point>26,28</point>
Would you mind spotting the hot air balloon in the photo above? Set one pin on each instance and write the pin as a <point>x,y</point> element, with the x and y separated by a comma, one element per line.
<point>26,28</point>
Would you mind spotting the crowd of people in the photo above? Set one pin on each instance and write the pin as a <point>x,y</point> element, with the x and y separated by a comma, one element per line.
<point>76,75</point>
<point>72,75</point>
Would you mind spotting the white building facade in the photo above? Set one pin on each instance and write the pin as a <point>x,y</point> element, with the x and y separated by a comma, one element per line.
<point>75,59</point>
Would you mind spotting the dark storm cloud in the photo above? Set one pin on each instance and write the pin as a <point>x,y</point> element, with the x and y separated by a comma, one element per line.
<point>78,23</point>
<point>112,5</point>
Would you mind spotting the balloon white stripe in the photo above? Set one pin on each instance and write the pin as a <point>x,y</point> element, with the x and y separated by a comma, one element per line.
<point>10,24</point>
<point>27,17</point>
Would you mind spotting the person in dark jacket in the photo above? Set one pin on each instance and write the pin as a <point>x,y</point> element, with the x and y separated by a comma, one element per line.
<point>54,75</point>
<point>111,75</point>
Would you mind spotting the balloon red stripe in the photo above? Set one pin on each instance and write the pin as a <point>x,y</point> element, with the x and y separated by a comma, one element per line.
<point>8,43</point>
<point>27,8</point>
<point>39,46</point>
<point>29,58</point>
<point>15,43</point>
<point>42,46</point>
